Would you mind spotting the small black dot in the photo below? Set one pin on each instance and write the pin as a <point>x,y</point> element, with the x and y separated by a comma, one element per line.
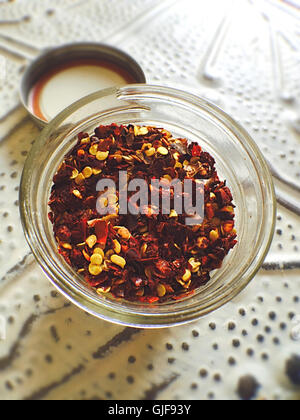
<point>250,352</point>
<point>203,373</point>
<point>291,315</point>
<point>150,367</point>
<point>50,12</point>
<point>242,312</point>
<point>265,356</point>
<point>169,346</point>
<point>276,341</point>
<point>244,333</point>
<point>272,316</point>
<point>112,375</point>
<point>268,330</point>
<point>255,322</point>
<point>171,360</point>
<point>278,299</point>
<point>185,347</point>
<point>231,326</point>
<point>49,358</point>
<point>9,385</point>
<point>28,373</point>
<point>130,379</point>
<point>260,299</point>
<point>36,298</point>
<point>194,386</point>
<point>212,326</point>
<point>231,361</point>
<point>217,377</point>
<point>131,359</point>
<point>279,232</point>
<point>195,333</point>
<point>215,347</point>
<point>260,338</point>
<point>211,395</point>
<point>236,343</point>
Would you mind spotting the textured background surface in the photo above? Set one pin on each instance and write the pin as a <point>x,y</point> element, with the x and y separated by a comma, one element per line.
<point>244,56</point>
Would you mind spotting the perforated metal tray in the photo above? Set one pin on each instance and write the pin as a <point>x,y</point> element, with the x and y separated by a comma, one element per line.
<point>242,55</point>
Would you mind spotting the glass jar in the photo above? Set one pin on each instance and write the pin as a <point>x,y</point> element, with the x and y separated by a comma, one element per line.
<point>239,161</point>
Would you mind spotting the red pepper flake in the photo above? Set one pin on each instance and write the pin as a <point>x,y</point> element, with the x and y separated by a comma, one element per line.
<point>210,211</point>
<point>151,257</point>
<point>101,230</point>
<point>196,150</point>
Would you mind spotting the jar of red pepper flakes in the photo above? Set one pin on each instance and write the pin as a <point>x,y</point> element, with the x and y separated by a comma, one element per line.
<point>238,161</point>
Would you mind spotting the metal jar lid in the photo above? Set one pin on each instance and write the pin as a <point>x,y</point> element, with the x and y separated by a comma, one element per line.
<point>102,58</point>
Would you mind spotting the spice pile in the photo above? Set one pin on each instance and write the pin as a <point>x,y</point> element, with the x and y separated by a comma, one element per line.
<point>150,257</point>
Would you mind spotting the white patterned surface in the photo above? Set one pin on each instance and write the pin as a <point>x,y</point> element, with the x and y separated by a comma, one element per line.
<point>244,56</point>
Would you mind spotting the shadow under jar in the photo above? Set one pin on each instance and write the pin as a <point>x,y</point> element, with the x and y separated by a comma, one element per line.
<point>238,161</point>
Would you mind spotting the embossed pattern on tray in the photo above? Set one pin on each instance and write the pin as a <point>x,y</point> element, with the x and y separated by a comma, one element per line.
<point>50,348</point>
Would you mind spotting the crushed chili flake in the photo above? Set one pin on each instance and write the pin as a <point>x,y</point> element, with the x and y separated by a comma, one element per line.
<point>149,257</point>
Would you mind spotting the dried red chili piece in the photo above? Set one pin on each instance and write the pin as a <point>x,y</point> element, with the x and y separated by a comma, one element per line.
<point>210,211</point>
<point>224,196</point>
<point>82,136</point>
<point>163,269</point>
<point>63,234</point>
<point>196,150</point>
<point>101,230</point>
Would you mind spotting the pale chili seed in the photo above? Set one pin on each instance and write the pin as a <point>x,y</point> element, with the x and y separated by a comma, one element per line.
<point>99,251</point>
<point>161,290</point>
<point>96,259</point>
<point>94,149</point>
<point>187,276</point>
<point>117,246</point>
<point>87,172</point>
<point>79,180</point>
<point>101,156</point>
<point>120,261</point>
<point>163,151</point>
<point>91,241</point>
<point>95,270</point>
